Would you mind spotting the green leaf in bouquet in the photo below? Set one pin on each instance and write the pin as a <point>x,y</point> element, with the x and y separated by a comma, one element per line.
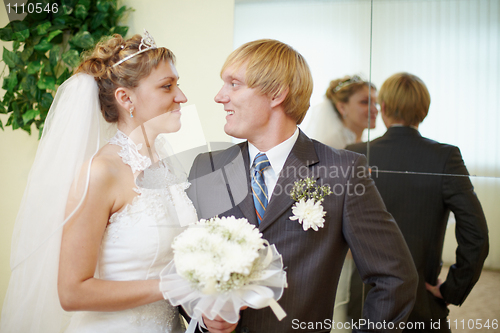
<point>1,126</point>
<point>71,58</point>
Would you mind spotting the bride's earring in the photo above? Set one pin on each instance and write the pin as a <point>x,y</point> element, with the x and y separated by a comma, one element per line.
<point>131,111</point>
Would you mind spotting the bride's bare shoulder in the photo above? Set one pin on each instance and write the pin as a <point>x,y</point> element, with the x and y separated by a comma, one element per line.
<point>107,166</point>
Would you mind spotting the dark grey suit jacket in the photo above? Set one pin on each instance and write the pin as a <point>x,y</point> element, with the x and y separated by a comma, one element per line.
<point>421,205</point>
<point>356,217</point>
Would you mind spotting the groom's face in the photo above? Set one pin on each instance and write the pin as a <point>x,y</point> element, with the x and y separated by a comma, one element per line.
<point>247,110</point>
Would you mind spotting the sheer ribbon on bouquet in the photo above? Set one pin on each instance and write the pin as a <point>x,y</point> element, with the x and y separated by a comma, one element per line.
<point>262,291</point>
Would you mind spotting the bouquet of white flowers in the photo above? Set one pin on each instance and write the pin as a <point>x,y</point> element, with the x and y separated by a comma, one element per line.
<point>221,265</point>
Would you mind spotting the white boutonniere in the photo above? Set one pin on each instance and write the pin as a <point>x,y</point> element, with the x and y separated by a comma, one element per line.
<point>308,208</point>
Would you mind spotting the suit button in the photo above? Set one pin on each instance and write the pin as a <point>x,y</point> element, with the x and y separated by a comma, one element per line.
<point>245,330</point>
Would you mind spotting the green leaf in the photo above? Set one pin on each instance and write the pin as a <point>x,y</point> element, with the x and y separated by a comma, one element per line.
<point>43,46</point>
<point>83,39</point>
<point>67,9</point>
<point>65,21</point>
<point>11,58</point>
<point>9,121</point>
<point>26,54</point>
<point>55,55</point>
<point>81,11</point>
<point>19,26</point>
<point>15,124</point>
<point>119,30</point>
<point>103,5</point>
<point>63,77</point>
<point>15,45</point>
<point>43,28</point>
<point>27,83</point>
<point>46,100</point>
<point>46,82</point>
<point>27,128</point>
<point>97,20</point>
<point>71,58</point>
<point>21,35</point>
<point>1,126</point>
<point>53,34</point>
<point>11,81</point>
<point>86,3</point>
<point>29,115</point>
<point>6,34</point>
<point>34,67</point>
<point>40,131</point>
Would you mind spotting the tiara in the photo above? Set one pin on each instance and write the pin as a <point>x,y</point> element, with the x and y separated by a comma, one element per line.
<point>347,82</point>
<point>147,43</point>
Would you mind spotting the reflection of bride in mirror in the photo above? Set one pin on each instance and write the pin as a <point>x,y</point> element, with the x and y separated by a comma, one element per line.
<point>349,108</point>
<point>343,115</point>
<point>89,238</point>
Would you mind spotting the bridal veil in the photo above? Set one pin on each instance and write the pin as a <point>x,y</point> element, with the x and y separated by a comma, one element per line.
<point>74,131</point>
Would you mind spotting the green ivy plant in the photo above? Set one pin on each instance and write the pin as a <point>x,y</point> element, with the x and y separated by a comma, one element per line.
<point>46,49</point>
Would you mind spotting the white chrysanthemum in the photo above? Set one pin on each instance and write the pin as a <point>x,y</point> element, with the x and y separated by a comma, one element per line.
<point>218,254</point>
<point>309,214</point>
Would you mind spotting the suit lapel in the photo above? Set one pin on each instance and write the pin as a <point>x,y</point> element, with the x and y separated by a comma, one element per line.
<point>297,166</point>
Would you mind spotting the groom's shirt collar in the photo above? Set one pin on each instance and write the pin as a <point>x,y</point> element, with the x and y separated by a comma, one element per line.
<point>277,157</point>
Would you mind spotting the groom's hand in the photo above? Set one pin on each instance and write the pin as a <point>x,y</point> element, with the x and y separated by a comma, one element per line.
<point>218,325</point>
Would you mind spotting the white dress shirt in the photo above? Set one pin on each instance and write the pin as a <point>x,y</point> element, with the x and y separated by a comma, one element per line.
<point>277,157</point>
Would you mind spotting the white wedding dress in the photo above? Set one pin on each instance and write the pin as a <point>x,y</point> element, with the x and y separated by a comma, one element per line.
<point>137,245</point>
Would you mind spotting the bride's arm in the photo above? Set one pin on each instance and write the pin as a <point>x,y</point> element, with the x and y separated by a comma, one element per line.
<point>81,240</point>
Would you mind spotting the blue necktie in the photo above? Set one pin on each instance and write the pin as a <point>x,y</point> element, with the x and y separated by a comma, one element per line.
<point>259,187</point>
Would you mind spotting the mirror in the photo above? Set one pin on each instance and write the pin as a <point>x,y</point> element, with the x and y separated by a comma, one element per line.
<point>451,45</point>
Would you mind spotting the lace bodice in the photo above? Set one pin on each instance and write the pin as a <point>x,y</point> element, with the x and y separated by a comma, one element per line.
<point>136,244</point>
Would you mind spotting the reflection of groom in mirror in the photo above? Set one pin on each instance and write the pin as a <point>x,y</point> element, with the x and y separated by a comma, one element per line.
<point>266,91</point>
<point>421,203</point>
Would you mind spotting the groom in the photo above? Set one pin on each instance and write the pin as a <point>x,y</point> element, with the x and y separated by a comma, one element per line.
<point>266,92</point>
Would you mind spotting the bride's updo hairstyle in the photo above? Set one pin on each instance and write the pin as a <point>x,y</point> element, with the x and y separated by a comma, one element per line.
<point>340,90</point>
<point>99,63</point>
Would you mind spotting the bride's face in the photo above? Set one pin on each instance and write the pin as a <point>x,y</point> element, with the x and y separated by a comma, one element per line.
<point>158,97</point>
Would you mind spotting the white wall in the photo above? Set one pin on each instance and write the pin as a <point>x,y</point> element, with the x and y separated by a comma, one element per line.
<point>199,32</point>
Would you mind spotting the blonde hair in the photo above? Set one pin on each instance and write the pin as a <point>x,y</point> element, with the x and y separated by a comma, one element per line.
<point>99,63</point>
<point>340,90</point>
<point>406,98</point>
<point>272,68</point>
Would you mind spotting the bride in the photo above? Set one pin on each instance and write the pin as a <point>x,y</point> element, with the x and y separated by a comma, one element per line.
<point>95,225</point>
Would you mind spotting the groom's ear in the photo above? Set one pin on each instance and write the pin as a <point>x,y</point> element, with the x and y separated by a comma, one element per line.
<point>279,98</point>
